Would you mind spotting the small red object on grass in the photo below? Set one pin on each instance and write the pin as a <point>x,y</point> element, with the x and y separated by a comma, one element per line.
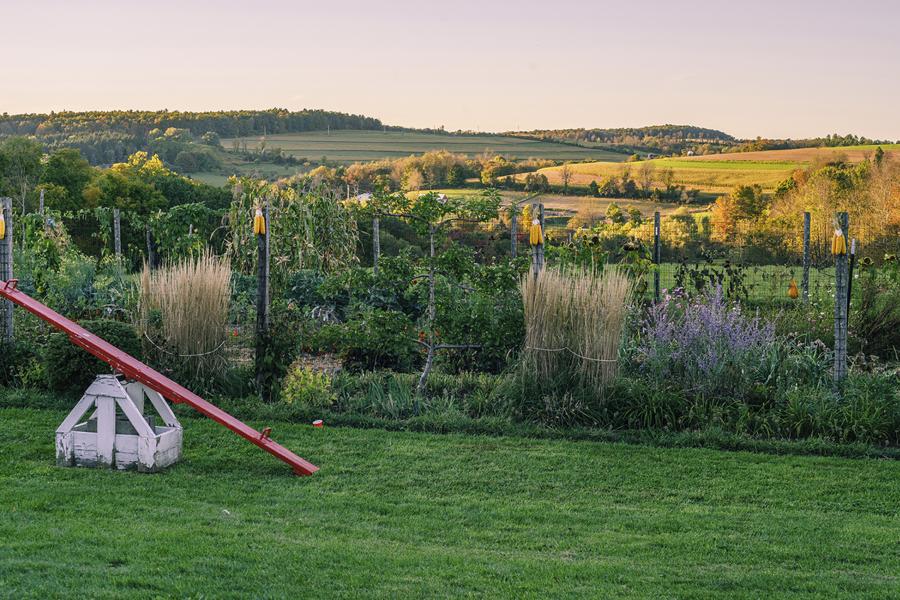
<point>318,423</point>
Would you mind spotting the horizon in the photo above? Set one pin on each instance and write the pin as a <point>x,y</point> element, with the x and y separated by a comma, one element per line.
<point>884,140</point>
<point>767,70</point>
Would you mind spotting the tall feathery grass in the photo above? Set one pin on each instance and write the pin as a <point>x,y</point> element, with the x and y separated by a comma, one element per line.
<point>574,323</point>
<point>184,313</point>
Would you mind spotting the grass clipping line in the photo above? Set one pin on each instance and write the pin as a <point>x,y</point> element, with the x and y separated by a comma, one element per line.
<point>574,322</point>
<point>186,304</point>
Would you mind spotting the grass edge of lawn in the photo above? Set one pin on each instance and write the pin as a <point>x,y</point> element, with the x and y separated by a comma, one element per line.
<point>711,438</point>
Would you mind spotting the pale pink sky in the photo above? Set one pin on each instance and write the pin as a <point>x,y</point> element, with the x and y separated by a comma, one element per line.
<point>770,68</point>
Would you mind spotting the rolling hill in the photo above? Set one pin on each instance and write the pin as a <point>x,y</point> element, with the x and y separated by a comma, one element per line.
<point>719,173</point>
<point>348,146</point>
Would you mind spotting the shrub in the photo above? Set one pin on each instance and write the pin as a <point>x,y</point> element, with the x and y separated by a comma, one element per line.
<point>705,345</point>
<point>374,339</point>
<point>21,365</point>
<point>69,368</point>
<point>307,388</point>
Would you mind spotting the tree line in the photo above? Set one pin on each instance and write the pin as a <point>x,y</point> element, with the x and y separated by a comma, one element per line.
<point>105,137</point>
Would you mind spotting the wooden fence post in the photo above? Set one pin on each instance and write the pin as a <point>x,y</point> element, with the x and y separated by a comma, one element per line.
<point>841,283</point>
<point>804,283</point>
<point>537,251</point>
<point>117,233</point>
<point>151,248</point>
<point>376,243</point>
<point>263,371</point>
<point>656,256</point>
<point>6,270</point>
<point>543,234</point>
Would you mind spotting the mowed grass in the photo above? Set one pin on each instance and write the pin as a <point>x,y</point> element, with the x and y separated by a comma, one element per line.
<point>706,176</point>
<point>421,515</point>
<point>349,146</point>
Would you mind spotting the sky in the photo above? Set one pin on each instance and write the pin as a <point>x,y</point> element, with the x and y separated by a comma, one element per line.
<point>787,68</point>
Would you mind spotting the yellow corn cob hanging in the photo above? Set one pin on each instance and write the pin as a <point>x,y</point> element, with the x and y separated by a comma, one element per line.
<point>259,223</point>
<point>839,243</point>
<point>793,292</point>
<point>2,226</point>
<point>537,236</point>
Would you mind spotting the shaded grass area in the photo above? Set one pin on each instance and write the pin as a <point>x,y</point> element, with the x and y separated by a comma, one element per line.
<point>403,514</point>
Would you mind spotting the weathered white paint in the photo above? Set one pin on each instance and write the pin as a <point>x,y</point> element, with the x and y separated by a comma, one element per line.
<point>96,441</point>
<point>106,430</point>
<point>162,407</point>
<point>136,392</point>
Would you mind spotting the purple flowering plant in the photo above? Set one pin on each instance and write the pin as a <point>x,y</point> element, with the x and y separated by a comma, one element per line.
<point>705,344</point>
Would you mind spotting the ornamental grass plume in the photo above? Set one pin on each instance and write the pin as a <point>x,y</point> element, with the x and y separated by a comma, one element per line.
<point>574,323</point>
<point>184,312</point>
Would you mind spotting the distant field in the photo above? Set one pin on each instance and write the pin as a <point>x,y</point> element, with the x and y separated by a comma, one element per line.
<point>352,146</point>
<point>265,171</point>
<point>573,204</point>
<point>801,155</point>
<point>235,165</point>
<point>704,175</point>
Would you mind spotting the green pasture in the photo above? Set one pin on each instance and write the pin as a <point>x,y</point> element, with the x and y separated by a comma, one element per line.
<point>712,176</point>
<point>349,146</point>
<point>422,515</point>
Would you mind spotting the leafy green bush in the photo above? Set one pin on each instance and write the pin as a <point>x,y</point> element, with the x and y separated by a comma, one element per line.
<point>69,368</point>
<point>307,388</point>
<point>374,339</point>
<point>20,365</point>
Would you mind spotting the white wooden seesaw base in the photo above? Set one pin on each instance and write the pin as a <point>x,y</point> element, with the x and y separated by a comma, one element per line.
<point>129,440</point>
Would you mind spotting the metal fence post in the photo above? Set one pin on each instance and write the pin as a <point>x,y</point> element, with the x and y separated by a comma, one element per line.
<point>656,256</point>
<point>6,270</point>
<point>841,283</point>
<point>117,232</point>
<point>376,243</point>
<point>804,284</point>
<point>514,230</point>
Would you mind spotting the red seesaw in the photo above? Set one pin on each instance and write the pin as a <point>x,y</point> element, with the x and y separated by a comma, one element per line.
<point>137,371</point>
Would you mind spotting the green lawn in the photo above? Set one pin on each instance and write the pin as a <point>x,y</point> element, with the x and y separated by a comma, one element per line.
<point>402,514</point>
<point>353,146</point>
